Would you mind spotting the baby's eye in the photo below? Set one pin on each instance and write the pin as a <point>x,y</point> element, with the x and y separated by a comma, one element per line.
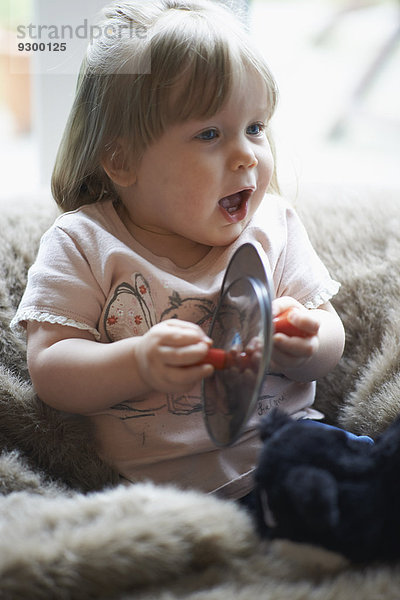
<point>207,135</point>
<point>255,128</point>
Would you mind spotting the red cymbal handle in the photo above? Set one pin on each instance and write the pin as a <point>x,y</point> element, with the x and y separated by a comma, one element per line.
<point>283,325</point>
<point>215,357</point>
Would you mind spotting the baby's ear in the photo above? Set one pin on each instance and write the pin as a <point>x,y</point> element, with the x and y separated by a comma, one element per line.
<point>118,163</point>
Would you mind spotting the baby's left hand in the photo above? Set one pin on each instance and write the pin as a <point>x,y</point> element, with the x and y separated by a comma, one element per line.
<point>292,352</point>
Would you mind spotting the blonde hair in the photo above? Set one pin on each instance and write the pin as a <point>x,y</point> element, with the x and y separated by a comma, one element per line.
<point>127,85</point>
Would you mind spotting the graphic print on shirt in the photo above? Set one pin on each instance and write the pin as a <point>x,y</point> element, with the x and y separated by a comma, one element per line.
<point>130,312</point>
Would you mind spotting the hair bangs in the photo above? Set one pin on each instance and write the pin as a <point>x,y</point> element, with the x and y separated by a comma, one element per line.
<point>202,89</point>
<point>210,60</point>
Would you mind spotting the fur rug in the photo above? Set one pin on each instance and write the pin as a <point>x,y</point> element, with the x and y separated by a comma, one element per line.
<point>68,531</point>
<point>357,234</point>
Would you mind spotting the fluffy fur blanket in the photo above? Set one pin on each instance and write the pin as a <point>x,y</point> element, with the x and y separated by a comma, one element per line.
<point>67,530</point>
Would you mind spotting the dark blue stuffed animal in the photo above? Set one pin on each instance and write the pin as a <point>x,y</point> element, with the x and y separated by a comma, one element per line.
<point>316,485</point>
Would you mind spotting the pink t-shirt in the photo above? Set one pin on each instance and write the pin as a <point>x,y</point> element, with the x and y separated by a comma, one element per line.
<point>92,274</point>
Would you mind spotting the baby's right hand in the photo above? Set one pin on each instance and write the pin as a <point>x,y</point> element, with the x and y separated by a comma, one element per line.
<point>167,354</point>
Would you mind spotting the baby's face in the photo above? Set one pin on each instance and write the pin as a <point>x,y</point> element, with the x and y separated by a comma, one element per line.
<point>202,180</point>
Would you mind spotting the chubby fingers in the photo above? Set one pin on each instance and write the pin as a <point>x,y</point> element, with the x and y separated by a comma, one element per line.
<point>175,332</point>
<point>289,315</point>
<point>180,379</point>
<point>167,355</point>
<point>295,346</point>
<point>291,350</point>
<point>181,343</point>
<point>298,322</point>
<point>184,356</point>
<point>280,305</point>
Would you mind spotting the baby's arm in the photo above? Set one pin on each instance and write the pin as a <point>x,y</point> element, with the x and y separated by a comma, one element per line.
<point>73,372</point>
<point>309,358</point>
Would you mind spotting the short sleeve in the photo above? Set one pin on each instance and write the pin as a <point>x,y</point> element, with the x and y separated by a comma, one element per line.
<point>61,286</point>
<point>302,274</point>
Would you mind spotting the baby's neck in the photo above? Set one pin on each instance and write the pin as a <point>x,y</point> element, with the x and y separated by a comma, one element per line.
<point>183,252</point>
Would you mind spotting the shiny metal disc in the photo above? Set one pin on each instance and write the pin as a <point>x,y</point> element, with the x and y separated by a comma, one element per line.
<point>242,326</point>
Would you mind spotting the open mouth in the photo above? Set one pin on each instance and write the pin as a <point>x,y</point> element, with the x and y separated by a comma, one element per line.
<point>234,206</point>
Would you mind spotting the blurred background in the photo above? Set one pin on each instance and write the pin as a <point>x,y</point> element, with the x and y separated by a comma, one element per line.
<point>337,64</point>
